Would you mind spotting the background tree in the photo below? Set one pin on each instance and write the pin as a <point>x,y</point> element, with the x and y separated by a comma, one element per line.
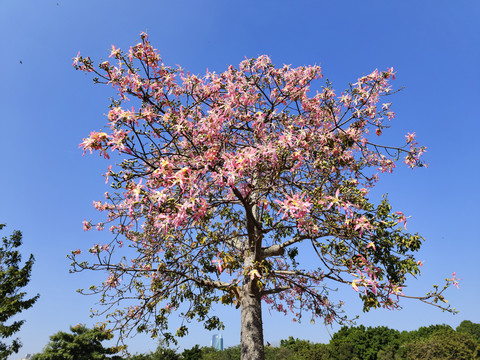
<point>387,353</point>
<point>466,326</point>
<point>362,343</point>
<point>228,180</point>
<point>358,342</point>
<point>195,353</point>
<point>301,349</point>
<point>443,345</point>
<point>424,332</point>
<point>230,353</point>
<point>141,357</point>
<point>13,277</point>
<point>161,353</point>
<point>81,344</point>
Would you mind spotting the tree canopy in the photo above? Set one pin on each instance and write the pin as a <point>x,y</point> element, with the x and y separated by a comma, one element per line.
<point>362,343</point>
<point>441,345</point>
<point>466,326</point>
<point>13,277</point>
<point>224,182</point>
<point>81,344</point>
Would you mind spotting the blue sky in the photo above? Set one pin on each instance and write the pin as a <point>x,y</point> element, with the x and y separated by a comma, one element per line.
<point>47,187</point>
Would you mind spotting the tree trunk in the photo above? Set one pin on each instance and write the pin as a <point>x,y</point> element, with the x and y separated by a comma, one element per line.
<point>250,298</point>
<point>252,325</point>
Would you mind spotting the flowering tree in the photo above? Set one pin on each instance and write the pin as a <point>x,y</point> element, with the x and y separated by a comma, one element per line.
<point>226,181</point>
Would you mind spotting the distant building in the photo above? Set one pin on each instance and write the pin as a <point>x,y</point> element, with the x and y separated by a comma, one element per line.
<point>27,357</point>
<point>217,342</point>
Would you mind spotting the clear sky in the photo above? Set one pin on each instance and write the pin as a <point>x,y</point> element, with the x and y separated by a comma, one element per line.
<point>47,187</point>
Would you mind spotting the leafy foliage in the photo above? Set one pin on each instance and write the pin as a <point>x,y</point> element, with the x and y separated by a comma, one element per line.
<point>231,353</point>
<point>470,328</point>
<point>442,346</point>
<point>194,353</point>
<point>301,349</point>
<point>81,344</point>
<point>161,353</point>
<point>382,343</point>
<point>362,343</point>
<point>13,277</point>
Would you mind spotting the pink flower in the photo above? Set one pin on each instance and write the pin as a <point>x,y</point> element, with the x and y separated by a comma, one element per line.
<point>455,281</point>
<point>254,273</point>
<point>114,52</point>
<point>117,141</point>
<point>335,200</point>
<point>295,206</point>
<point>354,285</point>
<point>410,137</point>
<point>113,281</point>
<point>95,141</point>
<point>76,59</point>
<point>218,263</point>
<point>396,290</point>
<point>107,175</point>
<point>181,176</point>
<point>86,225</point>
<point>402,219</point>
<point>363,224</point>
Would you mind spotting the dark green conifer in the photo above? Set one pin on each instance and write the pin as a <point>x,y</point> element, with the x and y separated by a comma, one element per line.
<point>13,277</point>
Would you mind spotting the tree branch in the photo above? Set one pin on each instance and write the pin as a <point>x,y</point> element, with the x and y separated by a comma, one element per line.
<point>279,249</point>
<point>274,291</point>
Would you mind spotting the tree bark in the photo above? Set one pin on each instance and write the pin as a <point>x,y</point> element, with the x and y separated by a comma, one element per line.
<point>251,341</point>
<point>251,322</point>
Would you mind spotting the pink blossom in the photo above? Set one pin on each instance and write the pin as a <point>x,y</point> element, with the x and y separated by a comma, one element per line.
<point>410,137</point>
<point>335,200</point>
<point>218,263</point>
<point>455,281</point>
<point>181,177</point>
<point>112,281</point>
<point>115,52</point>
<point>86,225</point>
<point>76,59</point>
<point>96,141</point>
<point>295,206</point>
<point>254,274</point>
<point>362,224</point>
<point>354,285</point>
<point>402,219</point>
